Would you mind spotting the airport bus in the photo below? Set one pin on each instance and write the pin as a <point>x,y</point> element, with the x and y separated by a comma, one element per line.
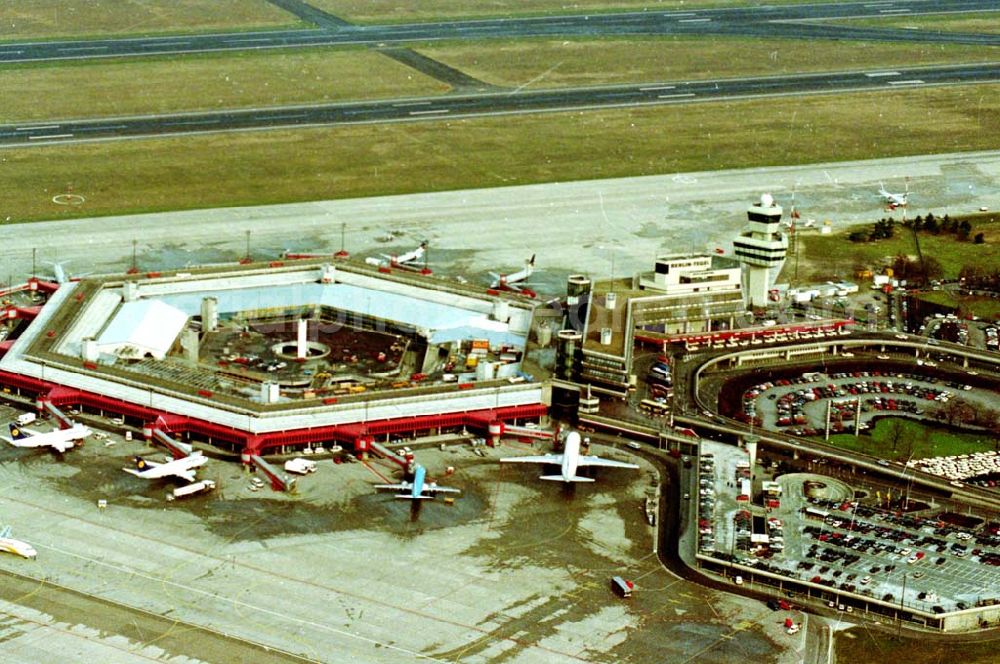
<point>654,407</point>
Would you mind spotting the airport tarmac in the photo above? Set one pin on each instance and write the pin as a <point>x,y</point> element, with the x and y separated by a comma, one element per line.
<point>515,570</point>
<point>599,227</point>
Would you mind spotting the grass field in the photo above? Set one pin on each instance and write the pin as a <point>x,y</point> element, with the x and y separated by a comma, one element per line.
<point>381,11</point>
<point>201,82</point>
<point>861,645</point>
<point>824,257</point>
<point>244,168</point>
<point>49,19</point>
<point>541,63</point>
<point>988,22</point>
<point>937,442</point>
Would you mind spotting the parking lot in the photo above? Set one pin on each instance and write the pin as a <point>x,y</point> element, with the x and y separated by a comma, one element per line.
<point>946,567</point>
<point>798,405</point>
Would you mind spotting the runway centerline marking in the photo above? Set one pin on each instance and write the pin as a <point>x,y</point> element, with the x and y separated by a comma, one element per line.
<point>882,73</point>
<point>435,110</point>
<point>55,126</point>
<point>84,48</point>
<point>912,81</point>
<point>657,87</point>
<point>44,136</point>
<point>676,96</point>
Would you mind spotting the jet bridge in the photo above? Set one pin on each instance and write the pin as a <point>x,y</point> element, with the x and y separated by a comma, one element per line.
<point>177,448</point>
<point>279,482</point>
<point>62,418</point>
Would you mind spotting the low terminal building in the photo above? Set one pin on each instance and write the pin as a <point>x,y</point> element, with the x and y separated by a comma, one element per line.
<point>277,356</point>
<point>683,293</point>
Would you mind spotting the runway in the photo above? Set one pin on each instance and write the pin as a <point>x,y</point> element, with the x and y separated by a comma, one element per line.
<point>499,103</point>
<point>789,21</point>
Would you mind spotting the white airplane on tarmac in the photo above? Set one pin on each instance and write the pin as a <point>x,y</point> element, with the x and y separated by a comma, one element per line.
<point>17,547</point>
<point>419,488</point>
<point>510,282</point>
<point>183,467</point>
<point>59,439</point>
<point>407,260</point>
<point>893,201</point>
<point>569,461</point>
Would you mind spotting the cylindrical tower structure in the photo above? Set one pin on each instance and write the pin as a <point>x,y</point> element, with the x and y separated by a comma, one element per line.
<point>761,248</point>
<point>577,285</point>
<point>569,342</point>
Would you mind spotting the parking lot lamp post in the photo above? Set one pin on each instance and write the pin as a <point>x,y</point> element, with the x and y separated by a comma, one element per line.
<point>902,596</point>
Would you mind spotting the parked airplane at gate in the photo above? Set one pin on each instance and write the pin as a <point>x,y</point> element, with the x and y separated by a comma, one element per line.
<point>183,467</point>
<point>418,489</point>
<point>60,439</point>
<point>407,260</point>
<point>17,547</point>
<point>514,281</point>
<point>569,461</point>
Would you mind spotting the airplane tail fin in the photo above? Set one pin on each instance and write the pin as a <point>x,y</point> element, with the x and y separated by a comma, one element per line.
<point>140,463</point>
<point>560,478</point>
<point>16,433</point>
<point>532,261</point>
<point>5,532</point>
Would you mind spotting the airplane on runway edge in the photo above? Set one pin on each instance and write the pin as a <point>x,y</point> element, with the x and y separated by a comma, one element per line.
<point>17,547</point>
<point>569,461</point>
<point>183,467</point>
<point>893,201</point>
<point>58,439</point>
<point>418,489</point>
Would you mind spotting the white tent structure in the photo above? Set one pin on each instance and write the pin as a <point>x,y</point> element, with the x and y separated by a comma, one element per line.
<point>145,327</point>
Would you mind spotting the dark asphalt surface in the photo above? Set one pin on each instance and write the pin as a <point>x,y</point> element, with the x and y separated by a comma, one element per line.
<point>436,108</point>
<point>789,21</point>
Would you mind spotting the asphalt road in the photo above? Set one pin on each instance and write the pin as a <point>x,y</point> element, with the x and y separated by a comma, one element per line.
<point>788,21</point>
<point>499,103</point>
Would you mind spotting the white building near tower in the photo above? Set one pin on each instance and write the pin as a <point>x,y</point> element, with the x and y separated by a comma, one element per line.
<point>761,249</point>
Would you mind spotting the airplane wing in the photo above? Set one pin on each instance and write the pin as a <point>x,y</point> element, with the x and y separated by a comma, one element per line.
<point>440,489</point>
<point>607,463</point>
<point>402,486</point>
<point>61,445</point>
<point>187,473</point>
<point>543,458</point>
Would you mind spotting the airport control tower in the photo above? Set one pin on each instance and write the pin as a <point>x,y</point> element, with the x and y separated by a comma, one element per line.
<point>761,249</point>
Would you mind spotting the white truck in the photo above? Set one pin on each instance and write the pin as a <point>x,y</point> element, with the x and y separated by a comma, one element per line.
<point>300,466</point>
<point>26,418</point>
<point>191,489</point>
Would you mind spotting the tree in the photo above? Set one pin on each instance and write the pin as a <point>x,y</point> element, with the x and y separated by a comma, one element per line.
<point>858,236</point>
<point>964,229</point>
<point>894,432</point>
<point>931,224</point>
<point>932,268</point>
<point>979,239</point>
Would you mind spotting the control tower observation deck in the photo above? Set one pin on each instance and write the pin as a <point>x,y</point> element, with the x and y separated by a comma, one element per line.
<point>761,249</point>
